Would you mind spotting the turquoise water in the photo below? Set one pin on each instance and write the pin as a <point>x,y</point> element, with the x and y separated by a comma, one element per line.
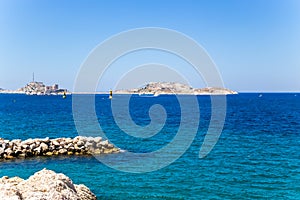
<point>256,157</point>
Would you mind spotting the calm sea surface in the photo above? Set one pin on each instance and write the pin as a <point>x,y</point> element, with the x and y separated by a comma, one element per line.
<point>256,157</point>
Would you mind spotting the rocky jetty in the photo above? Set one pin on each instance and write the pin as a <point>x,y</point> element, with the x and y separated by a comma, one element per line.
<point>157,88</point>
<point>45,184</point>
<point>60,146</point>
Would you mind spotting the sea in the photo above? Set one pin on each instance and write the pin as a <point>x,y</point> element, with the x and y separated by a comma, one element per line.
<point>257,155</point>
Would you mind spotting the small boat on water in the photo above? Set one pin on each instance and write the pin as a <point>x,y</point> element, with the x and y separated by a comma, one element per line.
<point>148,95</point>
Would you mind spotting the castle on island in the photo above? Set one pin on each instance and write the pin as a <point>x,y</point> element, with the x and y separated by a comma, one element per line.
<point>37,88</point>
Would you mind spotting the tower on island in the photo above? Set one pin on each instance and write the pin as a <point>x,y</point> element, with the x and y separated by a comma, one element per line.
<point>33,77</point>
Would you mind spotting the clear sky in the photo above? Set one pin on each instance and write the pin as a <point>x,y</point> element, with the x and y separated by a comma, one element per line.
<point>254,43</point>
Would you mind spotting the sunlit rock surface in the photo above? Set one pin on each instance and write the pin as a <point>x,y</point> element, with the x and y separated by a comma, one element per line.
<point>45,184</point>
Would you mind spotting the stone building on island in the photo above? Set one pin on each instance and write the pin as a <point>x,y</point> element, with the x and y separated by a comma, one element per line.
<point>39,88</point>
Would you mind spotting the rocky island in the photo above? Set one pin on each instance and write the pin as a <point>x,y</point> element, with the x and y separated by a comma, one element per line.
<point>37,88</point>
<point>157,88</point>
<point>45,184</point>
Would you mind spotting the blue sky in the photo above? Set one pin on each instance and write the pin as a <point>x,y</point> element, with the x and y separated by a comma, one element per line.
<point>255,44</point>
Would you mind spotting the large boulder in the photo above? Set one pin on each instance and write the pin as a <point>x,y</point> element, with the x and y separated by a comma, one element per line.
<point>8,188</point>
<point>45,184</point>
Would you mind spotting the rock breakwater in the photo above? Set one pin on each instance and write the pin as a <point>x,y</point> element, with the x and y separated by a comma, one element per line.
<point>10,149</point>
<point>45,184</point>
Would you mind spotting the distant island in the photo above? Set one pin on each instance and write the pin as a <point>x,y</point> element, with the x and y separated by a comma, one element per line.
<point>152,88</point>
<point>37,88</point>
<point>157,88</point>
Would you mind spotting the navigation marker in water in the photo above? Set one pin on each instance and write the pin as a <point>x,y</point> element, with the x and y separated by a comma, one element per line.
<point>110,94</point>
<point>64,95</point>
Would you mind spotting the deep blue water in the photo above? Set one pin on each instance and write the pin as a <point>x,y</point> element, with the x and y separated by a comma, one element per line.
<point>256,157</point>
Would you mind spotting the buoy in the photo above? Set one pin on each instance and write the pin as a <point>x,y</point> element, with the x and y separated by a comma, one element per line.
<point>64,95</point>
<point>110,94</point>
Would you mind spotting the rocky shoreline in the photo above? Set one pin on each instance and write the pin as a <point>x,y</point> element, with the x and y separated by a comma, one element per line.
<point>45,184</point>
<point>59,146</point>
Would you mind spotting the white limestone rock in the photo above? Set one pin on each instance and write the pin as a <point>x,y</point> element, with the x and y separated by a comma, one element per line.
<point>45,184</point>
<point>8,188</point>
